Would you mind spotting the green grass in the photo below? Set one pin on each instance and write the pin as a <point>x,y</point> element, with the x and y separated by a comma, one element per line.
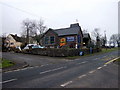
<point>103,51</point>
<point>108,50</point>
<point>5,63</point>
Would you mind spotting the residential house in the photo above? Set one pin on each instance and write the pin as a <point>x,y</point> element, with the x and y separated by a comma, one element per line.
<point>12,41</point>
<point>71,37</point>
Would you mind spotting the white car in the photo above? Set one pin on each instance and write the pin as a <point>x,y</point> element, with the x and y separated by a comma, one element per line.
<point>29,45</point>
<point>38,46</point>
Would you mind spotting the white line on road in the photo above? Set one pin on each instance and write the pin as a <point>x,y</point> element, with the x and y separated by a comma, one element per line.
<point>65,84</point>
<point>8,71</point>
<point>8,81</point>
<point>92,71</point>
<point>82,76</point>
<point>105,65</point>
<point>52,70</point>
<point>99,67</point>
<point>81,63</point>
<point>84,62</point>
<point>44,65</point>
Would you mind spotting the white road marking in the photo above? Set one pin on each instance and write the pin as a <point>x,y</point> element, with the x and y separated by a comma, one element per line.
<point>79,63</point>
<point>17,70</point>
<point>44,65</point>
<point>92,71</point>
<point>52,70</point>
<point>99,67</point>
<point>82,76</point>
<point>8,81</point>
<point>31,67</point>
<point>65,84</point>
<point>84,62</point>
<point>24,69</point>
<point>105,65</point>
<point>8,71</point>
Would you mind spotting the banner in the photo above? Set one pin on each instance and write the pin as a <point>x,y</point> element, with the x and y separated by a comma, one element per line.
<point>69,39</point>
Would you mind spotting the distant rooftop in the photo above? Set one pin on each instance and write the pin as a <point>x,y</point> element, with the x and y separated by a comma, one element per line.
<point>72,30</point>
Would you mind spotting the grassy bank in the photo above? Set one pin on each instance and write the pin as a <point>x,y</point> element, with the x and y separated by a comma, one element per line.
<point>109,50</point>
<point>103,51</point>
<point>5,63</point>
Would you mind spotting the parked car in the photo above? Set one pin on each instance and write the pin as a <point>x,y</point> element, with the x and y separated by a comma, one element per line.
<point>38,46</point>
<point>28,46</point>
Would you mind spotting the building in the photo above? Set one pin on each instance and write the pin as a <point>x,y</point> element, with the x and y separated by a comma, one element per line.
<point>12,41</point>
<point>86,40</point>
<point>71,37</point>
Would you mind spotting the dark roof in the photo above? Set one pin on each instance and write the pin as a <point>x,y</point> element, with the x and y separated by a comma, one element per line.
<point>86,35</point>
<point>18,39</point>
<point>72,30</point>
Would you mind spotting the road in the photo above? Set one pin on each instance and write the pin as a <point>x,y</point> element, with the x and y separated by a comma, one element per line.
<point>85,72</point>
<point>32,60</point>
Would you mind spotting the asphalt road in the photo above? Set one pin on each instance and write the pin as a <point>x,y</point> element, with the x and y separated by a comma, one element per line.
<point>85,72</point>
<point>32,60</point>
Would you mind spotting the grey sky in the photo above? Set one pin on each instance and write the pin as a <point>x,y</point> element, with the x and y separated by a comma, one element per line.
<point>90,14</point>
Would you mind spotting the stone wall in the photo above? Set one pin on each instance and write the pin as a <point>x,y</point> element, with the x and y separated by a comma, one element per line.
<point>54,52</point>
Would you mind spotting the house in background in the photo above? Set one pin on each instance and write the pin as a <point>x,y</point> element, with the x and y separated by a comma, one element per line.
<point>12,41</point>
<point>86,40</point>
<point>71,37</point>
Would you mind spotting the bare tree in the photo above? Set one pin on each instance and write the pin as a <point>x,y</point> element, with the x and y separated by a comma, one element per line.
<point>29,29</point>
<point>33,28</point>
<point>41,27</point>
<point>97,37</point>
<point>115,39</point>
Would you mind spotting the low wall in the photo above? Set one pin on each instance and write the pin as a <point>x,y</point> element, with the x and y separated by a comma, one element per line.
<point>54,52</point>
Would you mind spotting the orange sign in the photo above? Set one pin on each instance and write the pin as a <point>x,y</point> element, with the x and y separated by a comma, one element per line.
<point>62,41</point>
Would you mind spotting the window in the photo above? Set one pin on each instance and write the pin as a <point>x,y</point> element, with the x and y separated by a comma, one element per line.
<point>46,40</point>
<point>52,40</point>
<point>11,43</point>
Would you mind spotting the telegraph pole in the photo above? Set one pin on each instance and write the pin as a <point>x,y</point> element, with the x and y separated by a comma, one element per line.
<point>27,36</point>
<point>105,39</point>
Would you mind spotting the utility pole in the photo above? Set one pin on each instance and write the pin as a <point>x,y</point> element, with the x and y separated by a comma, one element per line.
<point>27,36</point>
<point>105,39</point>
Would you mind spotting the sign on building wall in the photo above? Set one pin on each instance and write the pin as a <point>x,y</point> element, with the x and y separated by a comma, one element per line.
<point>69,39</point>
<point>62,41</point>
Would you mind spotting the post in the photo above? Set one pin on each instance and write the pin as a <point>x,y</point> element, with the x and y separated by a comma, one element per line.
<point>27,39</point>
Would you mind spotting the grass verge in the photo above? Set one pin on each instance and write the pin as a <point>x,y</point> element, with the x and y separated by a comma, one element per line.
<point>103,51</point>
<point>5,63</point>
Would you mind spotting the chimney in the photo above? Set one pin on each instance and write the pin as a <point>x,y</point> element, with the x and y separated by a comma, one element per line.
<point>74,25</point>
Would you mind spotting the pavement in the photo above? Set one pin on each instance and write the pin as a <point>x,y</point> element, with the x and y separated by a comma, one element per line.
<point>87,72</point>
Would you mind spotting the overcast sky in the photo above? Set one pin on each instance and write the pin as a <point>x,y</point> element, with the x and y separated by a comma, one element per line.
<point>90,14</point>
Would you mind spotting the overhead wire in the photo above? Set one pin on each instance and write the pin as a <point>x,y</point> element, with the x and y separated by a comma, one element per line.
<point>20,9</point>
